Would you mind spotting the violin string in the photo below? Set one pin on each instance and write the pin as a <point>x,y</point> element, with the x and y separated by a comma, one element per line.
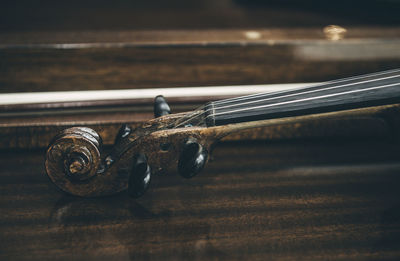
<point>305,99</point>
<point>315,85</point>
<point>321,89</point>
<point>311,86</point>
<point>244,109</point>
<point>192,118</point>
<point>305,92</point>
<point>193,115</point>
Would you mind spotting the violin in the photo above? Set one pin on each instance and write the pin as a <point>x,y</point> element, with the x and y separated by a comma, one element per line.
<point>182,142</point>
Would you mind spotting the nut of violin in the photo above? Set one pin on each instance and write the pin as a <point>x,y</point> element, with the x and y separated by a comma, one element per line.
<point>140,177</point>
<point>192,159</point>
<point>73,157</point>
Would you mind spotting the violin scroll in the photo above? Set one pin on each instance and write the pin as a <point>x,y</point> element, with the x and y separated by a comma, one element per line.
<point>76,164</point>
<point>74,156</point>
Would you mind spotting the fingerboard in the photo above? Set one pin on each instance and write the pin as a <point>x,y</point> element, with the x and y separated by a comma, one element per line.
<point>356,92</point>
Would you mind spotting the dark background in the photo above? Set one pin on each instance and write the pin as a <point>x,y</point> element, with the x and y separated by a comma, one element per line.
<point>25,15</point>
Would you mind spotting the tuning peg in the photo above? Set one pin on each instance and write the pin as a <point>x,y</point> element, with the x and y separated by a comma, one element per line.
<point>140,177</point>
<point>123,132</point>
<point>192,159</point>
<point>161,106</point>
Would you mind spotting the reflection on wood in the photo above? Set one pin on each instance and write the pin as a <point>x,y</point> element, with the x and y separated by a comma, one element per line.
<point>321,200</point>
<point>332,195</point>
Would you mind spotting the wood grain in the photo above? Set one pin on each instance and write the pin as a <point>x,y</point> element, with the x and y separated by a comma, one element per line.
<point>330,199</point>
<point>96,69</point>
<point>86,45</point>
<point>37,61</point>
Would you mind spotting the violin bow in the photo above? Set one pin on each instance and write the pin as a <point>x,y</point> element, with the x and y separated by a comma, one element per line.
<point>182,142</point>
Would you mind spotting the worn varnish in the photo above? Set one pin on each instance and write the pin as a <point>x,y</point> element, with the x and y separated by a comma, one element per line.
<point>320,199</point>
<point>75,163</point>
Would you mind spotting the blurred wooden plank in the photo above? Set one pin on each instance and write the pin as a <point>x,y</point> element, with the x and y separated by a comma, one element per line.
<point>162,66</point>
<point>250,36</point>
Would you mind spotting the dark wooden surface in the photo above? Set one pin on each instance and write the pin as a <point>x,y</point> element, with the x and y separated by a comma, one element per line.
<point>303,200</point>
<point>276,58</point>
<point>320,199</point>
<point>93,45</point>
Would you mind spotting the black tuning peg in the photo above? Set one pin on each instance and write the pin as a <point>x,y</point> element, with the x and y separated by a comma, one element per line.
<point>192,159</point>
<point>140,177</point>
<point>123,132</point>
<point>161,106</point>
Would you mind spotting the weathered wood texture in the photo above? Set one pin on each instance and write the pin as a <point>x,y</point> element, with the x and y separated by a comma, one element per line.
<point>326,200</point>
<point>76,153</point>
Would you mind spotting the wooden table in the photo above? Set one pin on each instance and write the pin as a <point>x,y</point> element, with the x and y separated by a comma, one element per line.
<point>283,200</point>
<point>322,198</point>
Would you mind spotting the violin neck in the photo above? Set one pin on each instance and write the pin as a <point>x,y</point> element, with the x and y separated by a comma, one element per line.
<point>357,92</point>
